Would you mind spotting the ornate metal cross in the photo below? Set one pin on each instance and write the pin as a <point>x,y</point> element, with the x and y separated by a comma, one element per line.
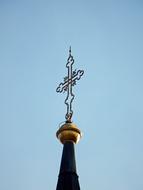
<point>69,82</point>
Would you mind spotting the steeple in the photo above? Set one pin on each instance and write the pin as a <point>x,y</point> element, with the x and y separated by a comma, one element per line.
<point>68,133</point>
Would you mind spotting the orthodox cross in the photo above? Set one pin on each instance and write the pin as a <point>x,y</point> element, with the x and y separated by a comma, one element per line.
<point>69,82</point>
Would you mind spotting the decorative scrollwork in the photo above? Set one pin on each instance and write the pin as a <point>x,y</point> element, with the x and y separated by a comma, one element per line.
<point>69,82</point>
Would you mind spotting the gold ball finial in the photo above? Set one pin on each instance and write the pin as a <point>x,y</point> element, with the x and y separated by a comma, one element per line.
<point>68,132</point>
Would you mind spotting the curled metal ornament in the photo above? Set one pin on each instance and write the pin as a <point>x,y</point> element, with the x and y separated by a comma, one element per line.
<point>66,86</point>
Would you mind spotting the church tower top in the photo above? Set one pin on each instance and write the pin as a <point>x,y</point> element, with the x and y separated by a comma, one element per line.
<point>68,133</point>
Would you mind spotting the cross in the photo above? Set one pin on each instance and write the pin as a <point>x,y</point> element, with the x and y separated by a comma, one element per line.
<point>69,82</point>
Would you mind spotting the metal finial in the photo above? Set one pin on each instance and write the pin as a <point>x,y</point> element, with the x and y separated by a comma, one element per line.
<point>69,82</point>
<point>70,51</point>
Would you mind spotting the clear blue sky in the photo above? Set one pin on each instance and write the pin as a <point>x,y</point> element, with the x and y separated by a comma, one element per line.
<point>107,42</point>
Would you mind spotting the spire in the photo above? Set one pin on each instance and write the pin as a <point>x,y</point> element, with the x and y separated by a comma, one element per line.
<point>68,178</point>
<point>68,133</point>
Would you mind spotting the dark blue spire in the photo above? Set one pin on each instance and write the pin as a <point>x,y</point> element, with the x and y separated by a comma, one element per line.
<point>68,178</point>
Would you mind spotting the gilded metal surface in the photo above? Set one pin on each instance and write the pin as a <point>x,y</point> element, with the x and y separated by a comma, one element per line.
<point>69,82</point>
<point>69,132</point>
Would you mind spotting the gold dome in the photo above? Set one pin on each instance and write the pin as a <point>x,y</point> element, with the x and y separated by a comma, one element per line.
<point>68,132</point>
